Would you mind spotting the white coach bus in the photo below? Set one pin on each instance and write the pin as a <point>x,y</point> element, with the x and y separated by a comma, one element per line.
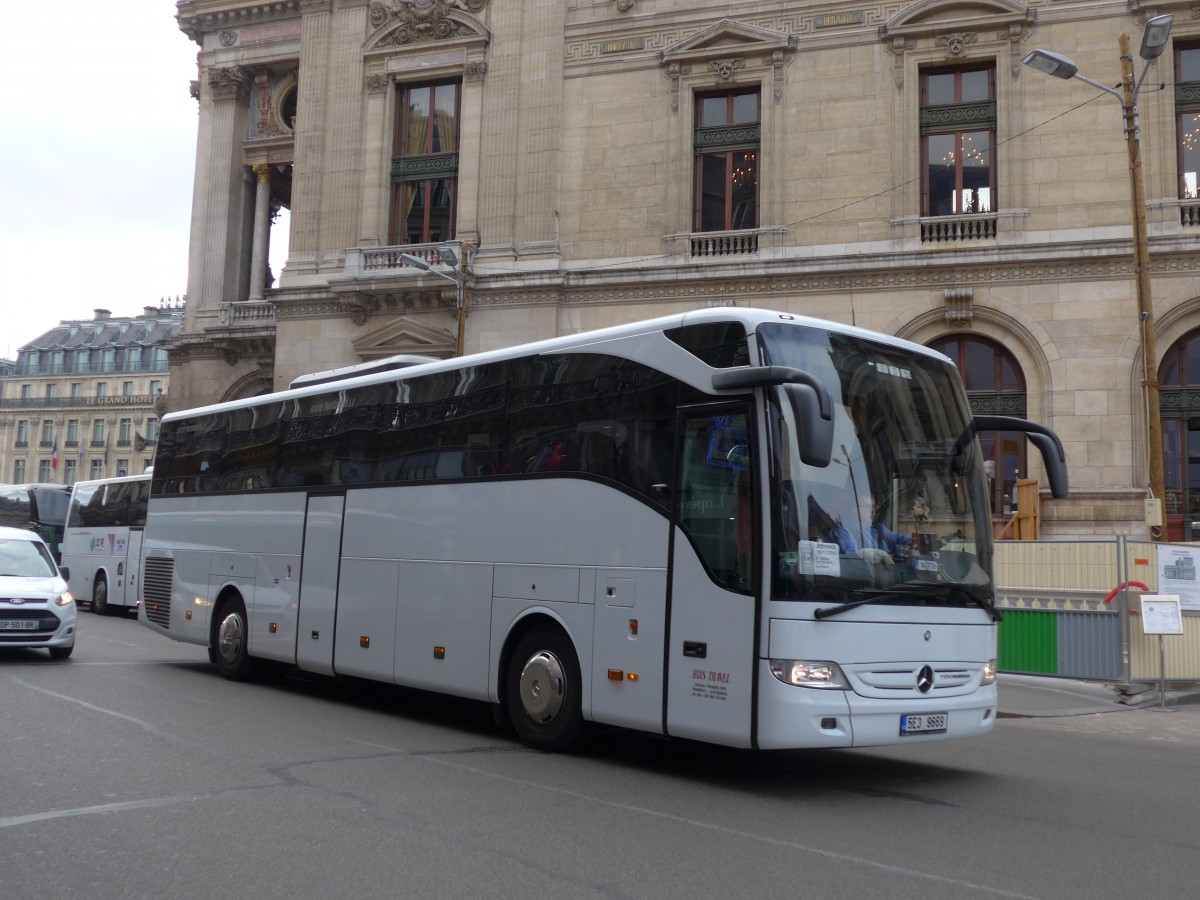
<point>648,526</point>
<point>102,541</point>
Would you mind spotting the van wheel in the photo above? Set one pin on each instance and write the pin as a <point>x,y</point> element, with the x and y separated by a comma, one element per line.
<point>232,657</point>
<point>100,598</point>
<point>542,690</point>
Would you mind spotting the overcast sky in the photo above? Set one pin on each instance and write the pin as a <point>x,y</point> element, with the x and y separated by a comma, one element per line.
<point>96,161</point>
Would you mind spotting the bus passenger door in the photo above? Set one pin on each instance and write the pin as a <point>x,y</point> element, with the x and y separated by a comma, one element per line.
<point>711,648</point>
<point>319,567</point>
<point>133,570</point>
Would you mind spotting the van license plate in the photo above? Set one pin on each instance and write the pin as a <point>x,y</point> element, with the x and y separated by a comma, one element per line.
<point>925,723</point>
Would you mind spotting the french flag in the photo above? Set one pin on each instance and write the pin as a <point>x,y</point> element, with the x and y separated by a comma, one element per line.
<point>54,458</point>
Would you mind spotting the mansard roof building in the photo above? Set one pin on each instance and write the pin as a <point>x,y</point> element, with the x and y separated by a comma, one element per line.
<point>83,400</point>
<point>462,175</point>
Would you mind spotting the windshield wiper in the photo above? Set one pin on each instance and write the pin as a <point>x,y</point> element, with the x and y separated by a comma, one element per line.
<point>909,587</point>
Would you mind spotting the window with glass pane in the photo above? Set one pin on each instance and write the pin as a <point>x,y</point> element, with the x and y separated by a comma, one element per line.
<point>97,470</point>
<point>958,134</point>
<point>1179,377</point>
<point>44,470</point>
<point>23,433</point>
<point>995,386</point>
<point>18,471</point>
<point>726,140</point>
<point>125,431</point>
<point>98,431</point>
<point>1187,117</point>
<point>424,163</point>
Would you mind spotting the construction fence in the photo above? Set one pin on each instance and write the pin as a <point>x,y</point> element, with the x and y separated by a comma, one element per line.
<point>1073,609</point>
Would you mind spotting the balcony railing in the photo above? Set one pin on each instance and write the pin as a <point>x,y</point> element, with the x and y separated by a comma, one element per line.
<point>41,370</point>
<point>382,259</point>
<point>958,229</point>
<point>724,243</point>
<point>1189,213</point>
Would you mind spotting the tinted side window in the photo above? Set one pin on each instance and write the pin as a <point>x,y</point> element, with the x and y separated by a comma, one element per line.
<point>448,425</point>
<point>592,414</point>
<point>720,344</point>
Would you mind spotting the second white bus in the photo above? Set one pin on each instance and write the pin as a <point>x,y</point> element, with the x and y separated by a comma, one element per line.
<point>102,541</point>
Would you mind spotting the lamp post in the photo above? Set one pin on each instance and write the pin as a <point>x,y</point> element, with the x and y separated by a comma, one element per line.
<point>459,272</point>
<point>1154,40</point>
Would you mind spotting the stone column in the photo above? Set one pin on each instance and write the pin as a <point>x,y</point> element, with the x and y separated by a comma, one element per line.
<point>376,155</point>
<point>262,230</point>
<point>217,223</point>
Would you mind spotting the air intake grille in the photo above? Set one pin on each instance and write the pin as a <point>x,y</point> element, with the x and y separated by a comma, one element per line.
<point>156,590</point>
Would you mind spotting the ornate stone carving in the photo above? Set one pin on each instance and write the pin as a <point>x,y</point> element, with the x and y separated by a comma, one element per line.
<point>475,71</point>
<point>376,84</point>
<point>359,307</point>
<point>420,21</point>
<point>625,5</point>
<point>956,43</point>
<point>673,72</point>
<point>262,81</point>
<point>228,38</point>
<point>229,82</point>
<point>959,306</point>
<point>726,69</point>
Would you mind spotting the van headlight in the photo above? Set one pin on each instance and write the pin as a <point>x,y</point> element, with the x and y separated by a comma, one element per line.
<point>64,599</point>
<point>989,672</point>
<point>809,673</point>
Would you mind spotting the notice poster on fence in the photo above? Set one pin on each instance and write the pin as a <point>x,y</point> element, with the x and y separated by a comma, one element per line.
<point>1178,569</point>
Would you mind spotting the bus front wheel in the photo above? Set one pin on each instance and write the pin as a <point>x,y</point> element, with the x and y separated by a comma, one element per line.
<point>542,690</point>
<point>230,642</point>
<point>100,598</point>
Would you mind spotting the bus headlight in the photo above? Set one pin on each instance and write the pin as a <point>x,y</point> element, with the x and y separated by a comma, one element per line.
<point>809,673</point>
<point>64,599</point>
<point>989,672</point>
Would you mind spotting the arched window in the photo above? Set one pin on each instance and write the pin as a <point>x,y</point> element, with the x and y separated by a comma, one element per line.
<point>1179,405</point>
<point>995,386</point>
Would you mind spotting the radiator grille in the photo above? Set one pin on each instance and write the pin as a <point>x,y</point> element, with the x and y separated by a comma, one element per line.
<point>156,590</point>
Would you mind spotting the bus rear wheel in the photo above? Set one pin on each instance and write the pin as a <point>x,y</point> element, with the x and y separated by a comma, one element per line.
<point>230,642</point>
<point>542,690</point>
<point>100,598</point>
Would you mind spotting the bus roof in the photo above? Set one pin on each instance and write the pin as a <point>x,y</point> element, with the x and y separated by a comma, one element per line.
<point>748,316</point>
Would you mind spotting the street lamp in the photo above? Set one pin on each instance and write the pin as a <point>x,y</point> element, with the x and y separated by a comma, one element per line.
<point>458,263</point>
<point>1154,40</point>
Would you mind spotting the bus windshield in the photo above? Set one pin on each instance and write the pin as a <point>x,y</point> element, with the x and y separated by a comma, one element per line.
<point>900,516</point>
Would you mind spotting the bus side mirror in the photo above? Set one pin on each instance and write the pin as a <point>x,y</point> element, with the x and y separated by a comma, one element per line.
<point>807,396</point>
<point>1047,442</point>
<point>816,431</point>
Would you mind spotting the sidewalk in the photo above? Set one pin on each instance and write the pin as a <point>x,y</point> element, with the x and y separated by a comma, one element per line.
<point>1034,695</point>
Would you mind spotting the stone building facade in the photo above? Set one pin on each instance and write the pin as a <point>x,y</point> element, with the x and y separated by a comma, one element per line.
<point>588,162</point>
<point>83,400</point>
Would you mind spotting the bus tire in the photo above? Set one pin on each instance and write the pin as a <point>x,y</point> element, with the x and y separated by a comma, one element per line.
<point>543,690</point>
<point>100,598</point>
<point>231,642</point>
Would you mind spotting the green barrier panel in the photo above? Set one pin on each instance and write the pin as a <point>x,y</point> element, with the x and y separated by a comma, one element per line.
<point>1029,642</point>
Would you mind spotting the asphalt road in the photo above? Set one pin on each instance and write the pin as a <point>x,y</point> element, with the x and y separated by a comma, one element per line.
<point>133,770</point>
